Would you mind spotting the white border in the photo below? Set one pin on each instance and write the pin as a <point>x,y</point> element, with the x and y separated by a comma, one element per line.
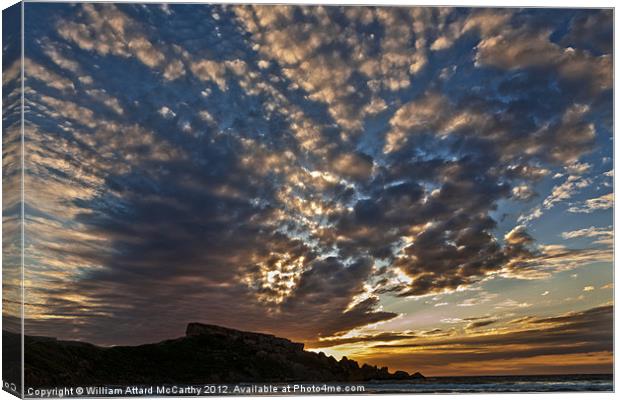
<point>463,3</point>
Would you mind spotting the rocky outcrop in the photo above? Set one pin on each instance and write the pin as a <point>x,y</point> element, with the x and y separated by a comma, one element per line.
<point>249,338</point>
<point>207,354</point>
<point>301,365</point>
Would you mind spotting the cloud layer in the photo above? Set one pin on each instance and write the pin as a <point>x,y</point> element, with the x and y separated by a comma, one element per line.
<point>561,343</point>
<point>280,168</point>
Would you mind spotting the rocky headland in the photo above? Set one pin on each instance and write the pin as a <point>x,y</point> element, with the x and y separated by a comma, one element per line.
<point>206,354</point>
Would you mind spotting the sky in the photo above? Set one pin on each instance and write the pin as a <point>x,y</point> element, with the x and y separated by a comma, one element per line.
<point>428,189</point>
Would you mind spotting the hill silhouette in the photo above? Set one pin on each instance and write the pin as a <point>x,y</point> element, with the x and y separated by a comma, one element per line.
<point>206,354</point>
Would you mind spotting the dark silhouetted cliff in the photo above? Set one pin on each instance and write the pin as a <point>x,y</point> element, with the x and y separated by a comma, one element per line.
<point>207,354</point>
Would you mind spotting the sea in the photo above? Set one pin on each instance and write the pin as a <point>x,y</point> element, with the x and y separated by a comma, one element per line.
<point>498,384</point>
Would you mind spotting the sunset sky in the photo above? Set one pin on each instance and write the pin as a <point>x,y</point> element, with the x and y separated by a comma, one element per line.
<point>423,188</point>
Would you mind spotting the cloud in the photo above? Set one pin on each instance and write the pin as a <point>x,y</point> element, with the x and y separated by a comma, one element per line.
<point>533,214</point>
<point>578,168</point>
<point>519,48</point>
<point>285,169</point>
<point>550,259</point>
<point>527,45</point>
<point>424,114</point>
<point>451,320</point>
<point>166,112</point>
<point>518,236</point>
<point>371,338</point>
<point>566,190</point>
<point>565,342</point>
<point>598,234</point>
<point>484,22</point>
<point>107,30</point>
<point>482,298</point>
<point>12,203</point>
<point>603,202</point>
<point>352,165</point>
<point>608,286</point>
<point>523,192</point>
<point>111,102</point>
<point>209,70</point>
<point>330,286</point>
<point>480,324</point>
<point>337,55</point>
<point>590,30</point>
<point>560,193</point>
<point>580,336</point>
<point>510,303</point>
<point>32,70</point>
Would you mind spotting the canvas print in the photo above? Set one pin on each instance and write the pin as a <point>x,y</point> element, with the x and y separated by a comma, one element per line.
<point>278,199</point>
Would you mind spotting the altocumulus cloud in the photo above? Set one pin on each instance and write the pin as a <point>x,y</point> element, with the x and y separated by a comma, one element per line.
<point>306,158</point>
